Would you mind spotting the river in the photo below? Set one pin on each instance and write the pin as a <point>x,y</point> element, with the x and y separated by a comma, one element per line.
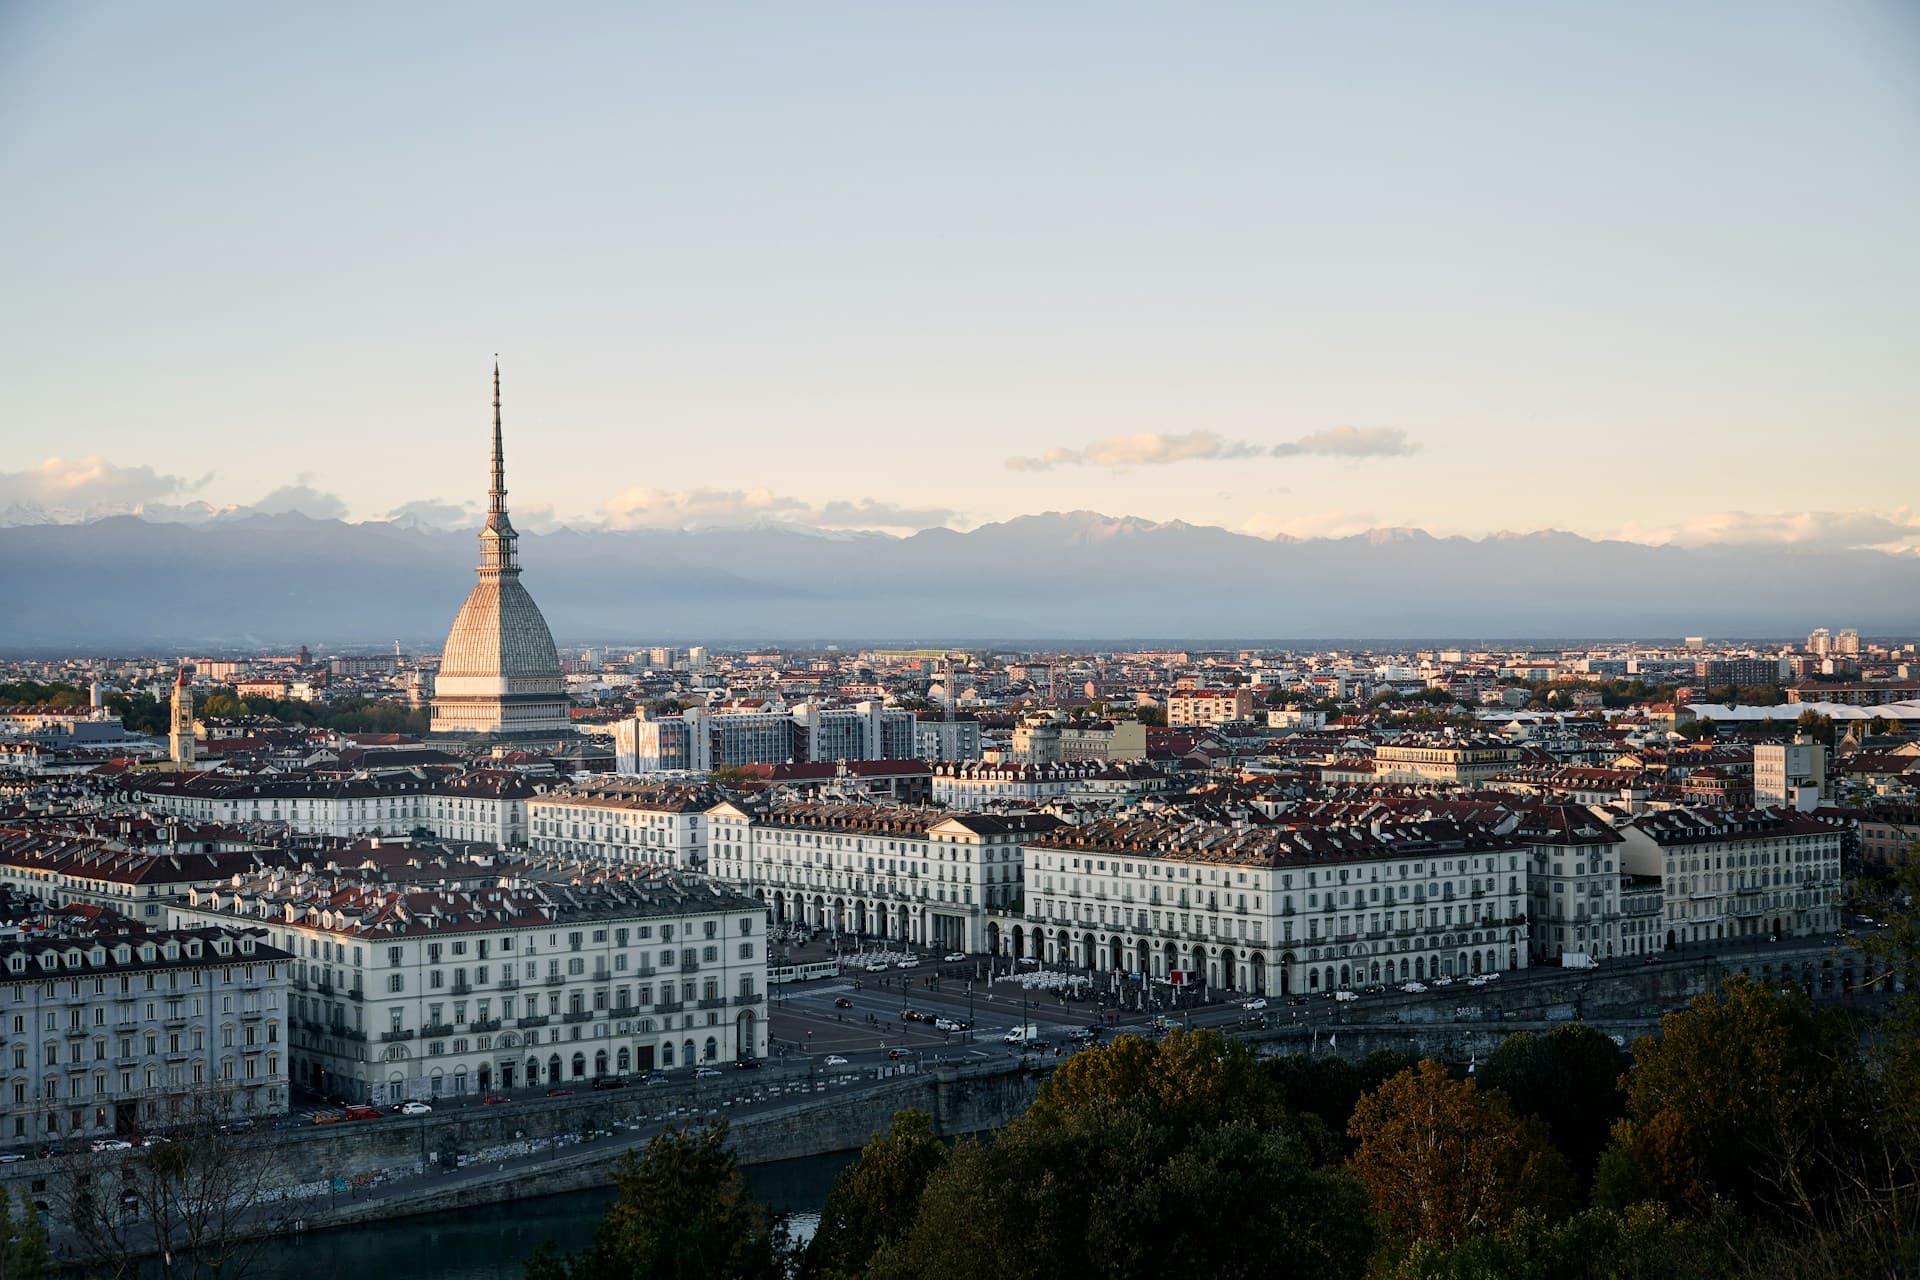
<point>494,1242</point>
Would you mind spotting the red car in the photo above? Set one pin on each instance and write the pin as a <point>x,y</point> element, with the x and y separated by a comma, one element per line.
<point>495,1099</point>
<point>841,1002</point>
<point>559,1093</point>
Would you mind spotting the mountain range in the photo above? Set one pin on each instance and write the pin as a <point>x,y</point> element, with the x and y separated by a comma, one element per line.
<point>124,584</point>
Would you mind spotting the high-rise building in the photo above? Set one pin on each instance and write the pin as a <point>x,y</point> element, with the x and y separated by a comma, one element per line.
<point>1820,643</point>
<point>499,672</point>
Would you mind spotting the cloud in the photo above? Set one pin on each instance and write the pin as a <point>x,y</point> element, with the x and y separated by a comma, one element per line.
<point>432,513</point>
<point>642,508</point>
<point>1153,448</point>
<point>1897,531</point>
<point>85,488</point>
<point>1349,442</point>
<point>303,498</point>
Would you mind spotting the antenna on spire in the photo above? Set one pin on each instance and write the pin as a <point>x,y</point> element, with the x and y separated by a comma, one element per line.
<point>496,496</point>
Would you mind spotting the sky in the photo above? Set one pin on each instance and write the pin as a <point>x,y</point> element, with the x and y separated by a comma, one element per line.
<point>1641,270</point>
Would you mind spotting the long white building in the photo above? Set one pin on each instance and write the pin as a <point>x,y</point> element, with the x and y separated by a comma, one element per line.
<point>1266,910</point>
<point>914,875</point>
<point>498,975</point>
<point>618,821</point>
<point>487,805</point>
<point>1735,873</point>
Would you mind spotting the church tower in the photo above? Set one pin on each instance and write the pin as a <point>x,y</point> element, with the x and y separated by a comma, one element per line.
<point>499,672</point>
<point>180,747</point>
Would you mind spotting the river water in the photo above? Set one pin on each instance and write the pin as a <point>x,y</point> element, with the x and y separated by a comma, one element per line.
<point>494,1242</point>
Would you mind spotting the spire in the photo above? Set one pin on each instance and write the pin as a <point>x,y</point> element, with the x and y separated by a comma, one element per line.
<point>498,541</point>
<point>497,495</point>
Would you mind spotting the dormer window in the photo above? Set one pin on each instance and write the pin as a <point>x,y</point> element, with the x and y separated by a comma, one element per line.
<point>147,953</point>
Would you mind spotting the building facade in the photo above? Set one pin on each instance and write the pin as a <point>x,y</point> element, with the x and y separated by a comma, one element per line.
<point>119,1033</point>
<point>509,976</point>
<point>625,822</point>
<point>1739,873</point>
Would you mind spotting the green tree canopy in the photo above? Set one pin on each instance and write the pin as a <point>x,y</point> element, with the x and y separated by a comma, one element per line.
<point>1570,1079</point>
<point>874,1199</point>
<point>681,1212</point>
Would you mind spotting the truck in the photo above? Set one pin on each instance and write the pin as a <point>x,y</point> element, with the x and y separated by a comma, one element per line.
<point>1577,960</point>
<point>1024,1034</point>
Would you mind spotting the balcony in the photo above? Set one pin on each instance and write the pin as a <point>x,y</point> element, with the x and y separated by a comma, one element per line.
<point>509,984</point>
<point>436,1030</point>
<point>553,980</point>
<point>484,1025</point>
<point>462,987</point>
<point>391,1036</point>
<point>576,1015</point>
<point>625,1011</point>
<point>525,1023</point>
<point>747,998</point>
<point>669,1006</point>
<point>689,966</point>
<point>356,993</point>
<point>713,1002</point>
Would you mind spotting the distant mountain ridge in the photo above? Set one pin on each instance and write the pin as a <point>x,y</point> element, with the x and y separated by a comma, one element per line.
<point>125,584</point>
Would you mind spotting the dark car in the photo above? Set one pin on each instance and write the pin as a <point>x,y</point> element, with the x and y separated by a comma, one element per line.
<point>656,1077</point>
<point>747,1064</point>
<point>913,1015</point>
<point>609,1082</point>
<point>841,1002</point>
<point>897,1054</point>
<point>495,1099</point>
<point>559,1093</point>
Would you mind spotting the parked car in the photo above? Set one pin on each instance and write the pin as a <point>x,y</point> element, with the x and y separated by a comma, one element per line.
<point>414,1109</point>
<point>1443,982</point>
<point>326,1117</point>
<point>877,966</point>
<point>656,1077</point>
<point>1413,988</point>
<point>897,1054</point>
<point>706,1073</point>
<point>841,1002</point>
<point>954,957</point>
<point>746,1064</point>
<point>835,1060</point>
<point>561,1092</point>
<point>1256,1004</point>
<point>609,1082</point>
<point>12,1157</point>
<point>1344,997</point>
<point>360,1111</point>
<point>949,1024</point>
<point>495,1099</point>
<point>111,1144</point>
<point>908,963</point>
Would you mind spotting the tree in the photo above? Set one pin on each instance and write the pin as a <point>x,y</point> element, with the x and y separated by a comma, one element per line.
<point>1106,1192</point>
<point>23,1241</point>
<point>1441,1159</point>
<point>1570,1079</point>
<point>1695,730</point>
<point>874,1199</point>
<point>1322,1092</point>
<point>681,1212</point>
<point>1815,726</point>
<point>1643,1243</point>
<point>1749,1095</point>
<point>201,1200</point>
<point>1185,1081</point>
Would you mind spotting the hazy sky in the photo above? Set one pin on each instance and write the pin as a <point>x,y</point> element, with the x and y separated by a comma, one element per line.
<point>1301,268</point>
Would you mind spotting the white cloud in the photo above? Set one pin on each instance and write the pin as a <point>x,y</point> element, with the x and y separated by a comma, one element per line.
<point>89,487</point>
<point>303,498</point>
<point>645,508</point>
<point>1349,442</point>
<point>1153,448</point>
<point>1898,530</point>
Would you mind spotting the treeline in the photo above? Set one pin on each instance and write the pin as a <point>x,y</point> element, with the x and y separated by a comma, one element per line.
<point>33,693</point>
<point>1754,1138</point>
<point>346,715</point>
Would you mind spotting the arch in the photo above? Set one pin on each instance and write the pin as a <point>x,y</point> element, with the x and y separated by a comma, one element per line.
<point>1346,976</point>
<point>600,1062</point>
<point>712,1050</point>
<point>1258,963</point>
<point>1089,951</point>
<point>579,1065</point>
<point>623,1060</point>
<point>746,1039</point>
<point>1116,953</point>
<point>1419,968</point>
<point>553,1069</point>
<point>1476,964</point>
<point>1313,979</point>
<point>506,1075</point>
<point>460,1079</point>
<point>686,1055</point>
<point>533,1071</point>
<point>1228,978</point>
<point>1019,943</point>
<point>666,1053</point>
<point>1142,955</point>
<point>993,938</point>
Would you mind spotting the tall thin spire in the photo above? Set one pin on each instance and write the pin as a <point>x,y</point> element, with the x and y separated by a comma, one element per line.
<point>498,541</point>
<point>497,495</point>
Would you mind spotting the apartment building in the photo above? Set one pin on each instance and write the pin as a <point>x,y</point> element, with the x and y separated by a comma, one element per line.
<point>60,868</point>
<point>923,877</point>
<point>1789,773</point>
<point>504,974</point>
<point>1573,882</point>
<point>118,1032</point>
<point>487,805</point>
<point>1264,910</point>
<point>700,740</point>
<point>1738,873</point>
<point>1443,761</point>
<point>623,821</point>
<point>1209,707</point>
<point>975,784</point>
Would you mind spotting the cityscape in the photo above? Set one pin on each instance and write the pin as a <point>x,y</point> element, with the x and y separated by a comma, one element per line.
<point>812,851</point>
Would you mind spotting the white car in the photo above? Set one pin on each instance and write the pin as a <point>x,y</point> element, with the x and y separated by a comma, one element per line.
<point>908,963</point>
<point>1413,988</point>
<point>112,1144</point>
<point>1477,982</point>
<point>1443,982</point>
<point>415,1109</point>
<point>878,966</point>
<point>835,1060</point>
<point>1257,1003</point>
<point>1342,997</point>
<point>954,957</point>
<point>945,1024</point>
